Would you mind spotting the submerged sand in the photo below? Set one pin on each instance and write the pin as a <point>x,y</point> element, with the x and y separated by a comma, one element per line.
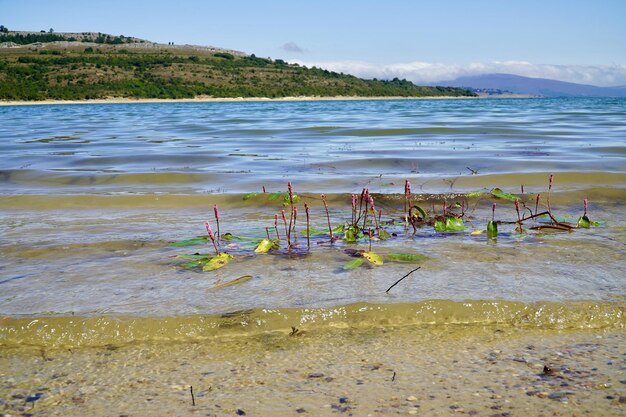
<point>451,370</point>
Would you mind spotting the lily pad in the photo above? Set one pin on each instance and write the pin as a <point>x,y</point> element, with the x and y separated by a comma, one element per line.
<point>354,263</point>
<point>217,262</point>
<point>498,193</point>
<point>492,229</point>
<point>406,257</point>
<point>373,258</point>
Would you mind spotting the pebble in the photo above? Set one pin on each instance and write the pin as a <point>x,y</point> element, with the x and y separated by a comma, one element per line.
<point>316,375</point>
<point>411,398</point>
<point>560,395</point>
<point>240,412</point>
<point>622,399</point>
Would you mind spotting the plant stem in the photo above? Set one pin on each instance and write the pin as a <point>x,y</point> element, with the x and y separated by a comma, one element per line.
<point>308,229</point>
<point>537,203</point>
<point>287,232</point>
<point>549,193</point>
<point>330,229</point>
<point>217,220</point>
<point>211,236</point>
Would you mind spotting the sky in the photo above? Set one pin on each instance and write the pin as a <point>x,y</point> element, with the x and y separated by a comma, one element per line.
<point>424,41</point>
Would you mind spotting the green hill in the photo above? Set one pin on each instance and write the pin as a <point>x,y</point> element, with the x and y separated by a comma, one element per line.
<point>43,66</point>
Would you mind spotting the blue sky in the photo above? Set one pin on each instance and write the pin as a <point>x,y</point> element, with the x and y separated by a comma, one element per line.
<point>425,41</point>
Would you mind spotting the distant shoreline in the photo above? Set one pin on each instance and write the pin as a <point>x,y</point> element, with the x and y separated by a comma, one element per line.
<point>122,100</point>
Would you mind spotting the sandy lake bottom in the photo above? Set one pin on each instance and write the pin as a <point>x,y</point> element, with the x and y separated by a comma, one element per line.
<point>443,371</point>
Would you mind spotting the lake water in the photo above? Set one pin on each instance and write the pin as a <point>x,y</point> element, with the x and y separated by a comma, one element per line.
<point>93,196</point>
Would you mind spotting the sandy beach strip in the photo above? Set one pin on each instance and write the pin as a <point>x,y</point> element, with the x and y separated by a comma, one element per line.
<point>126,100</point>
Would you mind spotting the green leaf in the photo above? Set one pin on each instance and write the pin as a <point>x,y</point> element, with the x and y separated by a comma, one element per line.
<point>475,194</point>
<point>355,263</point>
<point>200,240</point>
<point>498,193</point>
<point>319,232</point>
<point>276,196</point>
<point>217,262</point>
<point>266,245</point>
<point>450,224</point>
<point>250,195</point>
<point>194,256</point>
<point>373,258</point>
<point>406,257</point>
<point>421,211</point>
<point>440,226</point>
<point>194,264</point>
<point>584,221</point>
<point>339,229</point>
<point>240,280</point>
<point>383,234</point>
<point>349,236</point>
<point>492,229</point>
<point>230,236</point>
<point>315,232</point>
<point>455,224</point>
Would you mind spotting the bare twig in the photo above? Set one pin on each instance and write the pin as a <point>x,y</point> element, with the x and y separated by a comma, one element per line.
<point>398,281</point>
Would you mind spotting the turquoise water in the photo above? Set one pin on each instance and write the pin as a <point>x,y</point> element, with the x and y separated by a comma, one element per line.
<point>92,196</point>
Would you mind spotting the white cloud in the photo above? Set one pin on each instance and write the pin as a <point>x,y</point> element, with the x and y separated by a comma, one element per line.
<point>426,72</point>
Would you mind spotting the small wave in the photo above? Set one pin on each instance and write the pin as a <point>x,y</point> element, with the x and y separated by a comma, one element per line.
<point>74,332</point>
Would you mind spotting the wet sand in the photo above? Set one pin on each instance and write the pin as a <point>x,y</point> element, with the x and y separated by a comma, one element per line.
<point>442,371</point>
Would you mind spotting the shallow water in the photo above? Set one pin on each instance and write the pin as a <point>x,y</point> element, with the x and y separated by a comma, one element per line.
<point>93,196</point>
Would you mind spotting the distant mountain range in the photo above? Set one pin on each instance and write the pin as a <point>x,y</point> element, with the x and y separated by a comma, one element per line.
<point>543,87</point>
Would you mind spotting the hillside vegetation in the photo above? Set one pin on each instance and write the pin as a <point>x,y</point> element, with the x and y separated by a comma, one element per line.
<point>75,70</point>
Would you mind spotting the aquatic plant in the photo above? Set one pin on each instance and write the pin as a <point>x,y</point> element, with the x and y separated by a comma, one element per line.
<point>367,225</point>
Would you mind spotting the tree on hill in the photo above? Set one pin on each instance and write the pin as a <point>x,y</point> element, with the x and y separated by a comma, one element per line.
<point>3,29</point>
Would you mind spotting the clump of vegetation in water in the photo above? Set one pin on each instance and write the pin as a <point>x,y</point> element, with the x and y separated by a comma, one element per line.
<point>367,225</point>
